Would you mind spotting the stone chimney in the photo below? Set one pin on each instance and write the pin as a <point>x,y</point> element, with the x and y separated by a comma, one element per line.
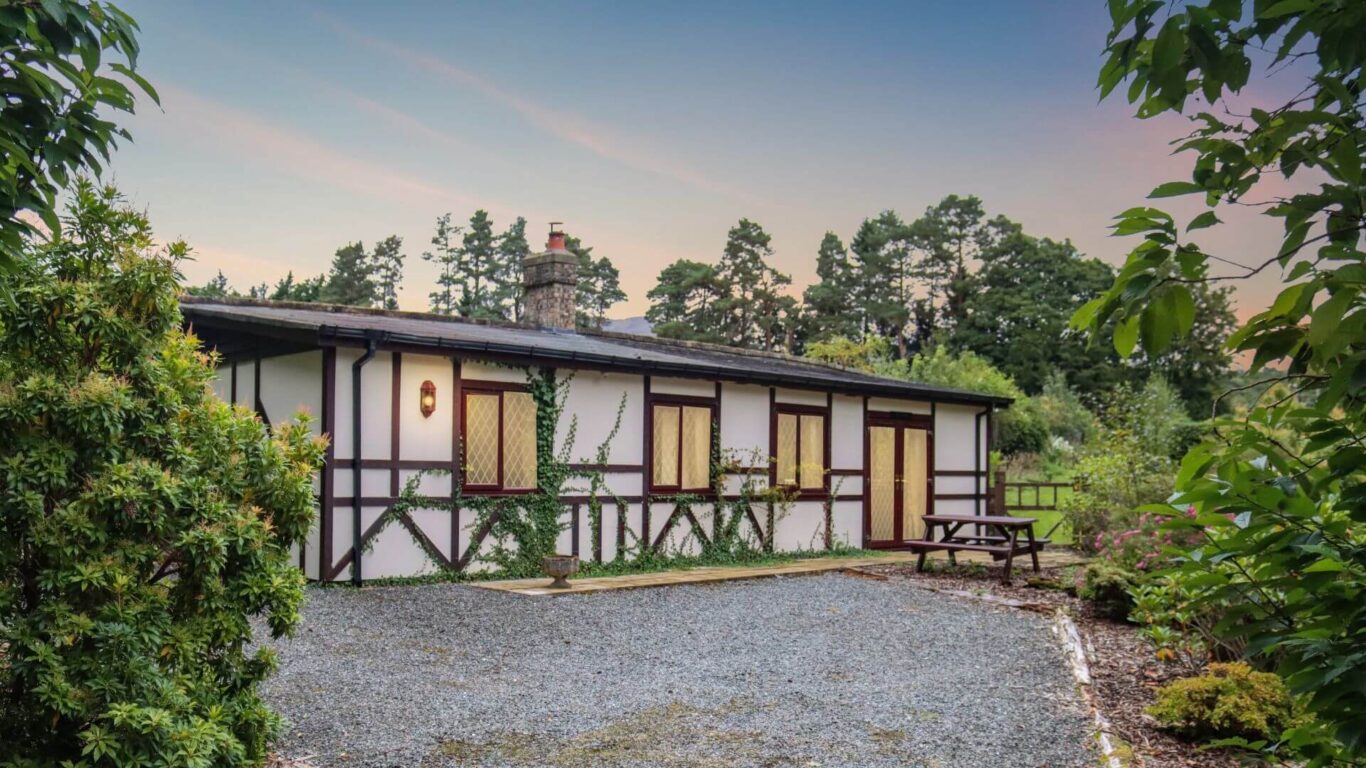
<point>551,280</point>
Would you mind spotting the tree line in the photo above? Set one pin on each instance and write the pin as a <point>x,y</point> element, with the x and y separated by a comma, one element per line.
<point>479,275</point>
<point>954,279</point>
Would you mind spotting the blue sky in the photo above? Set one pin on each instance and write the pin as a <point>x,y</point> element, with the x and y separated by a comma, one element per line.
<point>287,130</point>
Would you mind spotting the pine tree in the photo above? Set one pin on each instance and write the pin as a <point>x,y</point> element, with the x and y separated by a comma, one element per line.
<point>286,289</point>
<point>479,259</point>
<point>387,263</point>
<point>447,257</point>
<point>881,283</point>
<point>215,288</point>
<point>512,251</point>
<point>755,312</point>
<point>831,308</point>
<point>948,238</point>
<point>599,285</point>
<point>351,279</point>
<point>684,302</point>
<point>1026,289</point>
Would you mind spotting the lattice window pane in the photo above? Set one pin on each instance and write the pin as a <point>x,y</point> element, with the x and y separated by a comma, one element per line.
<point>666,445</point>
<point>813,451</point>
<point>519,441</point>
<point>696,447</point>
<point>481,439</point>
<point>787,449</point>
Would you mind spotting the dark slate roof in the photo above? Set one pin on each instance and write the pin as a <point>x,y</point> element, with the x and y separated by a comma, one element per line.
<point>310,325</point>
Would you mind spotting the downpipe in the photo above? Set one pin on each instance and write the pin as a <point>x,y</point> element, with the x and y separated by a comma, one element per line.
<point>370,346</point>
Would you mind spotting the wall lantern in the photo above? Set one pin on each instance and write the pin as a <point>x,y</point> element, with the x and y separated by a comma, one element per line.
<point>428,398</point>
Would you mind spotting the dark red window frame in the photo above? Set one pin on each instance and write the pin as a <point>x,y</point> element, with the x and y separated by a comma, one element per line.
<point>677,401</point>
<point>799,411</point>
<point>487,388</point>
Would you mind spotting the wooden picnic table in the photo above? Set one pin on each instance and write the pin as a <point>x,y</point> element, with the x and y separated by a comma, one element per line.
<point>1001,539</point>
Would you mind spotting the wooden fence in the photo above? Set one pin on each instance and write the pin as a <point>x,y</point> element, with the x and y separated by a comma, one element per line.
<point>1025,496</point>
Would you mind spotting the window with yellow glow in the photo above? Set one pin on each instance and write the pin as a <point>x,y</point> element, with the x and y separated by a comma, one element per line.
<point>799,458</point>
<point>681,450</point>
<point>500,441</point>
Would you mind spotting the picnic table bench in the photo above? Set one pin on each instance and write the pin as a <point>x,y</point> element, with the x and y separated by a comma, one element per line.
<point>1001,538</point>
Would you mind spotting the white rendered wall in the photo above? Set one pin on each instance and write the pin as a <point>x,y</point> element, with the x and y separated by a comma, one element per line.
<point>593,398</point>
<point>222,383</point>
<point>898,406</point>
<point>474,370</point>
<point>660,385</point>
<point>745,424</point>
<point>591,406</point>
<point>799,397</point>
<point>246,382</point>
<point>955,440</point>
<point>846,432</point>
<point>426,438</point>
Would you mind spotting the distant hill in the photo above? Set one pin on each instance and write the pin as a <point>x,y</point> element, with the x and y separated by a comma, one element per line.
<point>638,326</point>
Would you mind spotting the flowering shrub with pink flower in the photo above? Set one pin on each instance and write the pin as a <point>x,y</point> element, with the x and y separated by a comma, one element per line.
<point>1148,546</point>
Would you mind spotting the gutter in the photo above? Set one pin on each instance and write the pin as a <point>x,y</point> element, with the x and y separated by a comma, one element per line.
<point>684,370</point>
<point>372,343</point>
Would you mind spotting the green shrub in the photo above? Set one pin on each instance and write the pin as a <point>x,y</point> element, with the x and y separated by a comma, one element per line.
<point>1128,463</point>
<point>1228,701</point>
<point>1020,428</point>
<point>1108,587</point>
<point>143,521</point>
<point>1062,411</point>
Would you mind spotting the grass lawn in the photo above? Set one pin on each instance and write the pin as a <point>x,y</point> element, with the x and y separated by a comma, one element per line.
<point>1047,518</point>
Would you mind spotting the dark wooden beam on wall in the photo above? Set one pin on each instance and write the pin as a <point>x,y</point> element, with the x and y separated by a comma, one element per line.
<point>385,501</point>
<point>258,406</point>
<point>328,480</point>
<point>457,409</point>
<point>867,475</point>
<point>395,419</point>
<point>646,462</point>
<point>357,448</point>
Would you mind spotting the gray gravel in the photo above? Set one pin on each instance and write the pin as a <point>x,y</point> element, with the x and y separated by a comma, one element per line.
<point>809,671</point>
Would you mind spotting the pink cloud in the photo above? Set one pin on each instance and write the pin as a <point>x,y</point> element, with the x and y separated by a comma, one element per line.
<point>563,125</point>
<point>297,151</point>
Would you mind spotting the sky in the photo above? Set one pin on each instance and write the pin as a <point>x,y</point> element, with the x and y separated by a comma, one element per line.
<point>287,130</point>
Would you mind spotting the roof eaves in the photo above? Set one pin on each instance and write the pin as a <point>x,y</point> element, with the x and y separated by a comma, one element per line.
<point>886,387</point>
<point>856,383</point>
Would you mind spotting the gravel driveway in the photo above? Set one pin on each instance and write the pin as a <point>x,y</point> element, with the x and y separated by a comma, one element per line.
<point>825,670</point>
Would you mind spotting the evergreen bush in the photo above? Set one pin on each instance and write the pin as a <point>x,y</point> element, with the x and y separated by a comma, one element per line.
<point>144,523</point>
<point>1228,701</point>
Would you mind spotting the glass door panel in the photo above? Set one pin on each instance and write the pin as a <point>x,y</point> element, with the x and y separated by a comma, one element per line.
<point>915,485</point>
<point>882,483</point>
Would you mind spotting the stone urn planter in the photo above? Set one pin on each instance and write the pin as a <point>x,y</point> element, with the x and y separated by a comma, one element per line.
<point>560,568</point>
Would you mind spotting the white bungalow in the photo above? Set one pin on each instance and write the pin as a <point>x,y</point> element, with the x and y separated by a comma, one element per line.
<point>400,393</point>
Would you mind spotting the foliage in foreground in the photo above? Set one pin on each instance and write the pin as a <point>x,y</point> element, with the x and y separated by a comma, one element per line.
<point>143,521</point>
<point>1280,491</point>
<point>54,123</point>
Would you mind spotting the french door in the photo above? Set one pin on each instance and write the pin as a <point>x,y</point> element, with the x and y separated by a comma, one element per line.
<point>900,480</point>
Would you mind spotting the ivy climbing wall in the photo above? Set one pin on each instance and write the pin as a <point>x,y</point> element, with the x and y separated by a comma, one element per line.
<point>593,495</point>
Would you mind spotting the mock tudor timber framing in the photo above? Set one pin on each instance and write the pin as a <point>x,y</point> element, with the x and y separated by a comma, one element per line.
<point>458,554</point>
